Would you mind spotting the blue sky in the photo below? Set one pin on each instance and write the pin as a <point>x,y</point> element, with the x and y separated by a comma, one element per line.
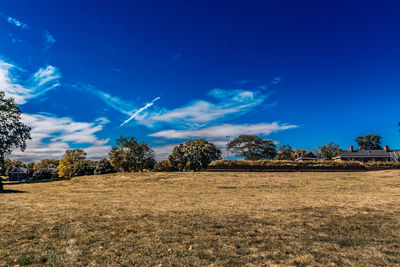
<point>302,73</point>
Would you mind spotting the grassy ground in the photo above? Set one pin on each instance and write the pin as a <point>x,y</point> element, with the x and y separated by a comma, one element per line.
<point>193,219</point>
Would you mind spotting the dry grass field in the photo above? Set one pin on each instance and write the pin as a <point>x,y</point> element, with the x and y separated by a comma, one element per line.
<point>200,219</point>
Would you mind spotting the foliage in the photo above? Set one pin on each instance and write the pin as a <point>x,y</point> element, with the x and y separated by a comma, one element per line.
<point>13,133</point>
<point>129,155</point>
<point>70,158</point>
<point>369,142</point>
<point>282,165</point>
<point>82,168</point>
<point>8,164</point>
<point>194,155</point>
<point>46,164</point>
<point>103,167</point>
<point>329,151</point>
<point>164,166</point>
<point>252,147</point>
<point>285,152</point>
<point>42,174</point>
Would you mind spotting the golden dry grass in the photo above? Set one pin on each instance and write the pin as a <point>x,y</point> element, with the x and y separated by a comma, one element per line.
<point>197,219</point>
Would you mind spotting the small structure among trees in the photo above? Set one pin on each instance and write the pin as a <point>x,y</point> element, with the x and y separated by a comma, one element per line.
<point>18,174</point>
<point>307,157</point>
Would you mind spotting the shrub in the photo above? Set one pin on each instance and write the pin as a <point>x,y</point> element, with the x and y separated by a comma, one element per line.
<point>286,165</point>
<point>164,166</point>
<point>103,167</point>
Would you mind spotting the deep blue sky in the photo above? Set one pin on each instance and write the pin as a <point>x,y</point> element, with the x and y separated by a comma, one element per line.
<point>322,70</point>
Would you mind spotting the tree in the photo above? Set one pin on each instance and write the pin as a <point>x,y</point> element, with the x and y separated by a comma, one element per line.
<point>46,164</point>
<point>13,133</point>
<point>103,167</point>
<point>328,151</point>
<point>252,147</point>
<point>128,155</point>
<point>369,142</point>
<point>69,160</point>
<point>285,152</point>
<point>82,168</point>
<point>194,155</point>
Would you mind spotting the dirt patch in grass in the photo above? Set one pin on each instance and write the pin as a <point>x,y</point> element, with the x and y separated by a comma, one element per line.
<point>197,219</point>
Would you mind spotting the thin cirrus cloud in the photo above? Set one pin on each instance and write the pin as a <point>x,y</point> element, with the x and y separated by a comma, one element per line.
<point>219,132</point>
<point>114,102</point>
<point>17,23</point>
<point>49,40</point>
<point>52,136</point>
<point>42,81</point>
<point>199,113</point>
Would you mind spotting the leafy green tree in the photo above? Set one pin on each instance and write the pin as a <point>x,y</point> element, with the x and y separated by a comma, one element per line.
<point>252,147</point>
<point>328,151</point>
<point>369,142</point>
<point>194,155</point>
<point>285,152</point>
<point>129,155</point>
<point>13,133</point>
<point>103,166</point>
<point>82,168</point>
<point>69,160</point>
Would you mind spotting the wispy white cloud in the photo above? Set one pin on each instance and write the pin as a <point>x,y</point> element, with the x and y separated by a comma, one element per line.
<point>114,102</point>
<point>219,132</point>
<point>140,110</point>
<point>49,40</point>
<point>52,136</point>
<point>199,113</point>
<point>44,80</point>
<point>17,23</point>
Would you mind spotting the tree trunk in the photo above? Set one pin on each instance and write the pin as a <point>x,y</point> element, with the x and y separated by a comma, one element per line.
<point>2,172</point>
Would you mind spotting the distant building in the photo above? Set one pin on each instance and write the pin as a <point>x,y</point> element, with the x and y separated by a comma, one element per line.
<point>385,155</point>
<point>307,157</point>
<point>18,174</point>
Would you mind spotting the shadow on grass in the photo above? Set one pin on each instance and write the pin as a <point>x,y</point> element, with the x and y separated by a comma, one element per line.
<point>10,191</point>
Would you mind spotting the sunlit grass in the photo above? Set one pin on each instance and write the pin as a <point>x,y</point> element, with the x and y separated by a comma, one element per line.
<point>197,219</point>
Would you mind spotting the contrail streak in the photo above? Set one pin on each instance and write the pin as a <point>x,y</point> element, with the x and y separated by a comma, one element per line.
<point>139,111</point>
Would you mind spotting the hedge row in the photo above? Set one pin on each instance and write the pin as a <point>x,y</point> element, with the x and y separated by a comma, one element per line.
<point>242,165</point>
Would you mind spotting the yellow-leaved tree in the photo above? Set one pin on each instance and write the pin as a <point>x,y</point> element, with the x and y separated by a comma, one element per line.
<point>69,160</point>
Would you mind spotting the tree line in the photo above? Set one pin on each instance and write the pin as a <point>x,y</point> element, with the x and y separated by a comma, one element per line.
<point>130,155</point>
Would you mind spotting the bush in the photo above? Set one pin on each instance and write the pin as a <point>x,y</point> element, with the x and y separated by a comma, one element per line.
<point>286,165</point>
<point>82,168</point>
<point>164,166</point>
<point>301,165</point>
<point>103,167</point>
